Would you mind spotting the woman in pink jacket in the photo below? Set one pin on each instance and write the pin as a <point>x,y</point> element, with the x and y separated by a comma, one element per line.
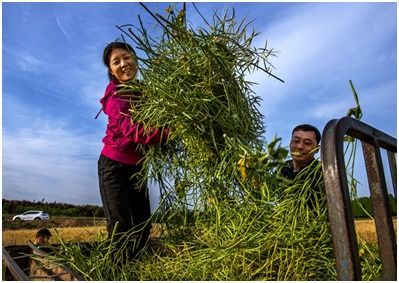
<point>126,204</point>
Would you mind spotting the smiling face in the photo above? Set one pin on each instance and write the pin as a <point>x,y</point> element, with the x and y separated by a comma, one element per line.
<point>122,65</point>
<point>303,147</point>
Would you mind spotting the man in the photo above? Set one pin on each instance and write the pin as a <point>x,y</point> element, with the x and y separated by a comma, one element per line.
<point>304,171</point>
<point>304,145</point>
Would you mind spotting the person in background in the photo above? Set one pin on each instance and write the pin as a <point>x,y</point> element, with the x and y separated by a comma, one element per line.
<point>42,237</point>
<point>304,145</point>
<point>303,170</point>
<point>126,202</point>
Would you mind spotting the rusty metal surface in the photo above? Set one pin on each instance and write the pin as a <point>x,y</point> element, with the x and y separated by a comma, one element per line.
<point>392,166</point>
<point>382,211</point>
<point>337,192</point>
<point>338,200</point>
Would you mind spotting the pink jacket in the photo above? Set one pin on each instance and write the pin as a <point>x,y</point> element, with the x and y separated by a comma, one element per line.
<point>122,136</point>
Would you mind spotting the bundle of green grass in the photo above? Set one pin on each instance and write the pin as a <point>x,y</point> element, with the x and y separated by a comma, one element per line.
<point>225,213</point>
<point>194,82</point>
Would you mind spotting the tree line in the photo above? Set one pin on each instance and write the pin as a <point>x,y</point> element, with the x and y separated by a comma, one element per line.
<point>53,208</point>
<point>361,208</point>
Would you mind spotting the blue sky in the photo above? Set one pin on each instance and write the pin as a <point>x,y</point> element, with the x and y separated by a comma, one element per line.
<point>53,78</point>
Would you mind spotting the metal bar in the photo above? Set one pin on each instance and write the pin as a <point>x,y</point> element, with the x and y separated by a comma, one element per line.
<point>13,267</point>
<point>392,167</point>
<point>382,211</point>
<point>338,201</point>
<point>337,192</point>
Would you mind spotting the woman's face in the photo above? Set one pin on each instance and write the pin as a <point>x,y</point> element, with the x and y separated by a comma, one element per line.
<point>122,65</point>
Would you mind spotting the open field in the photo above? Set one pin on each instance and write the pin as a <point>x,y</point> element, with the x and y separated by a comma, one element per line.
<point>367,231</point>
<point>73,234</point>
<point>75,229</point>
<point>365,228</point>
<point>54,222</point>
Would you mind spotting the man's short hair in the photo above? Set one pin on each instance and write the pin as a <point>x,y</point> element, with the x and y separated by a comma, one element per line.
<point>308,128</point>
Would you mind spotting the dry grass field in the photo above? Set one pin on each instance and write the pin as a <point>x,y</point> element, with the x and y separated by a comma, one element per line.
<point>72,234</point>
<point>365,228</point>
<point>367,231</point>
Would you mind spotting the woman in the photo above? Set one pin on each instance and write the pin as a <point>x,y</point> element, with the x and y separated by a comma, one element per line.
<point>126,204</point>
<point>42,236</point>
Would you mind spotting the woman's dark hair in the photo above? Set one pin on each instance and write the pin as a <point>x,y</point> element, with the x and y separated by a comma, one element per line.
<point>111,47</point>
<point>308,128</point>
<point>44,232</point>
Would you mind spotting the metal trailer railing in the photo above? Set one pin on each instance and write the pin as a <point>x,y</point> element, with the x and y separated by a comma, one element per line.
<point>338,200</point>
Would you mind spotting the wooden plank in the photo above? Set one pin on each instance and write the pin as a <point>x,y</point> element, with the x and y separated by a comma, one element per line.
<point>39,266</point>
<point>13,267</point>
<point>59,272</point>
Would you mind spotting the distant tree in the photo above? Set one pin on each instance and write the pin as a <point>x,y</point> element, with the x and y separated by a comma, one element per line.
<point>363,207</point>
<point>53,208</point>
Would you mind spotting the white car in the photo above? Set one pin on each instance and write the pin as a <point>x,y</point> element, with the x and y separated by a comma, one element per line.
<point>32,215</point>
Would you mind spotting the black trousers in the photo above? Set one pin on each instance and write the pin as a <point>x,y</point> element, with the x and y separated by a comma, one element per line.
<point>123,200</point>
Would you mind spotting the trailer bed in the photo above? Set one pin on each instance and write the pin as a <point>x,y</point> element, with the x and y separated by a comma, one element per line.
<point>30,263</point>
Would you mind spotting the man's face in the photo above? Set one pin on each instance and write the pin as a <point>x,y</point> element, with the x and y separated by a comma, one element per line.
<point>303,146</point>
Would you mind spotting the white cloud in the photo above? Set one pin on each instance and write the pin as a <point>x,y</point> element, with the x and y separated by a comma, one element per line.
<point>23,60</point>
<point>91,91</point>
<point>320,48</point>
<point>62,28</point>
<point>48,158</point>
<point>50,161</point>
<point>29,63</point>
<point>333,109</point>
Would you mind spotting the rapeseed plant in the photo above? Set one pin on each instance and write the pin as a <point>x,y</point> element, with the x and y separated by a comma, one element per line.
<point>225,212</point>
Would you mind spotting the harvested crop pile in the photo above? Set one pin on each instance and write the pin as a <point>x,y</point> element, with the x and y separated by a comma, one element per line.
<point>225,214</point>
<point>194,82</point>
